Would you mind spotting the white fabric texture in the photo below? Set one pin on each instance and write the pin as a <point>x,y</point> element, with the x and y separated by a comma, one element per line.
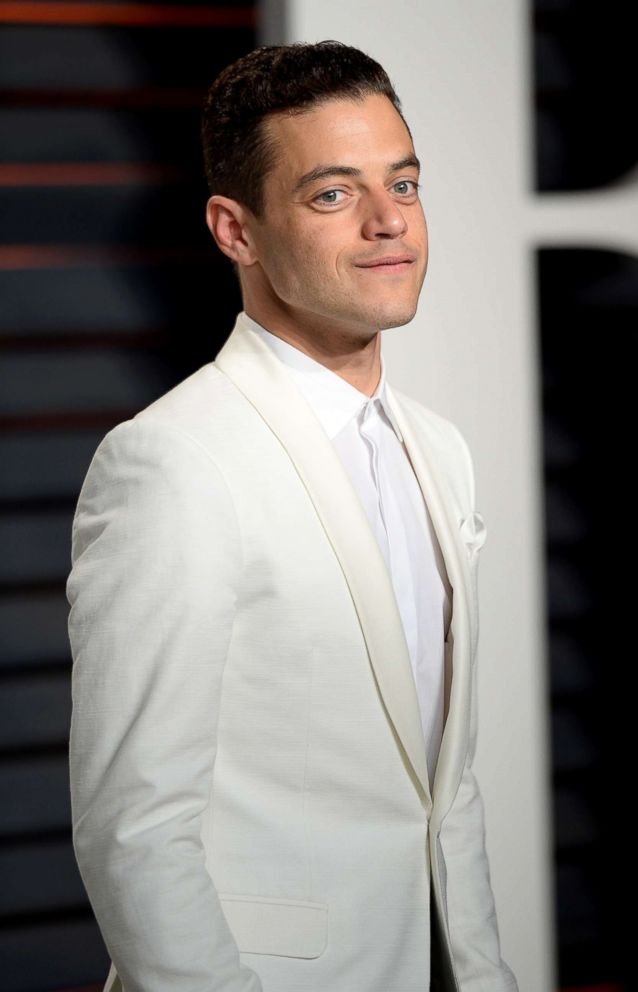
<point>365,435</point>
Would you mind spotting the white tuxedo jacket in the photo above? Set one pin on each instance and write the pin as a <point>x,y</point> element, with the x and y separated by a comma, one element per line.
<point>250,798</point>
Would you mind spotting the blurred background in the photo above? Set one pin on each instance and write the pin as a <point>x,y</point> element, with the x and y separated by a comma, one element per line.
<point>111,291</point>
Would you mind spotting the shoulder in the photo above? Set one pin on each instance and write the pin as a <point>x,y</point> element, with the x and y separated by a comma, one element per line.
<point>146,475</point>
<point>202,396</point>
<point>168,443</point>
<point>195,415</point>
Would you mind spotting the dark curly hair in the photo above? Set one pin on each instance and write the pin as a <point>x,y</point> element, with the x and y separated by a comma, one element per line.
<point>238,151</point>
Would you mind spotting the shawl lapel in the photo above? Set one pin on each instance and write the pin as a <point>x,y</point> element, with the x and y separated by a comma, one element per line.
<point>447,517</point>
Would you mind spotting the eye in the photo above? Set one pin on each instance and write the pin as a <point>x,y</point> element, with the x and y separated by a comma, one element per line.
<point>330,197</point>
<point>405,187</point>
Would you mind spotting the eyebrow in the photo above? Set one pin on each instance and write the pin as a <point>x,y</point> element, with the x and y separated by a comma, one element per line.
<point>324,171</point>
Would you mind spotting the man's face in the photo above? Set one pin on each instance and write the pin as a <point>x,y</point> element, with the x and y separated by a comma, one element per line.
<point>342,243</point>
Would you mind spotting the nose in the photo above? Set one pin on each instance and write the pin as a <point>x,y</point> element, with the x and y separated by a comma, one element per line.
<point>383,217</point>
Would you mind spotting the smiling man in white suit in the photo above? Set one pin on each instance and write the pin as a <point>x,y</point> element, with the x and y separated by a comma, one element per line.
<point>273,596</point>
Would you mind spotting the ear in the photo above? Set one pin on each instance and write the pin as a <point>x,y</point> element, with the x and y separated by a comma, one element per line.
<point>228,222</point>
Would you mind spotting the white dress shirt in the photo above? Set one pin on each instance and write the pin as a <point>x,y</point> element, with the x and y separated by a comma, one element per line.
<point>369,443</point>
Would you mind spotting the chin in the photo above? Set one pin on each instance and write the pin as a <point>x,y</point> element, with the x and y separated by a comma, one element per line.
<point>390,310</point>
<point>395,322</point>
<point>394,317</point>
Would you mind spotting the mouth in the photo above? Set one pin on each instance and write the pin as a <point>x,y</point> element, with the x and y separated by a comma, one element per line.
<point>388,264</point>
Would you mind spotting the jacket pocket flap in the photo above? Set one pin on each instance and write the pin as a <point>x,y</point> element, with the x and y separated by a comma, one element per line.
<point>277,926</point>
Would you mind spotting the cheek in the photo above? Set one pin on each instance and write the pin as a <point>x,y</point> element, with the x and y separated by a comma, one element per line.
<point>419,225</point>
<point>327,249</point>
<point>301,254</point>
<point>309,237</point>
<point>314,251</point>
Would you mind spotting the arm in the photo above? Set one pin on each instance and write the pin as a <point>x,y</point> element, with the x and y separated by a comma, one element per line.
<point>153,588</point>
<point>471,910</point>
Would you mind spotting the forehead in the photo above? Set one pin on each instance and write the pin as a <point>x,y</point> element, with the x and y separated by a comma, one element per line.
<point>367,132</point>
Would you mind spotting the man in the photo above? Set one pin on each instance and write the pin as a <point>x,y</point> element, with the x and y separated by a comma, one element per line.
<point>274,613</point>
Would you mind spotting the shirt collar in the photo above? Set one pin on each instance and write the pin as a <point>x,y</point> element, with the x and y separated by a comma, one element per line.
<point>334,401</point>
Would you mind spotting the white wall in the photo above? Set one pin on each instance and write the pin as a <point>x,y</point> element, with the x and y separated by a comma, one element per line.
<point>463,73</point>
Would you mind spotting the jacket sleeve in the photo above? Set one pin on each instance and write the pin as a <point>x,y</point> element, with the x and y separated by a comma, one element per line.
<point>156,563</point>
<point>471,911</point>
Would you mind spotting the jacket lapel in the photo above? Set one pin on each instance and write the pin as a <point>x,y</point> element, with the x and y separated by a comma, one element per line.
<point>447,518</point>
<point>254,369</point>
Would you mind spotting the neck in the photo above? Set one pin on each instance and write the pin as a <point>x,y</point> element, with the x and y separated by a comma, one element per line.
<point>356,358</point>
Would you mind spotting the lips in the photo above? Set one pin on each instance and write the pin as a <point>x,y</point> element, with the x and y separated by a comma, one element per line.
<point>388,261</point>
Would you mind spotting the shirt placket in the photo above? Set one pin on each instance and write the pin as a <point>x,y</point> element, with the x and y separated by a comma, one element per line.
<point>368,436</point>
<point>397,556</point>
